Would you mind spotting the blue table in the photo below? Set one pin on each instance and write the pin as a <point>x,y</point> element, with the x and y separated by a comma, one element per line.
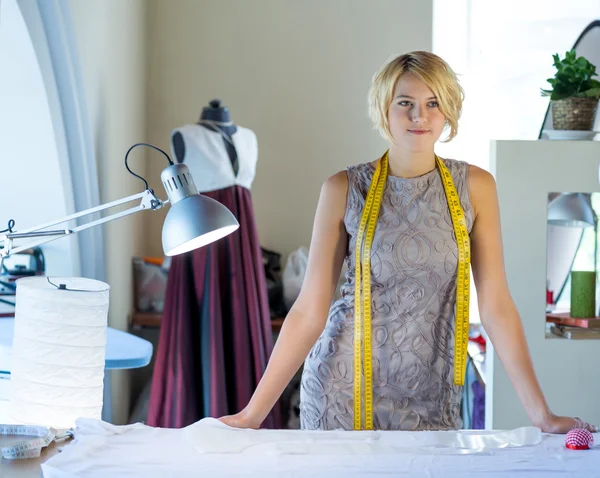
<point>123,350</point>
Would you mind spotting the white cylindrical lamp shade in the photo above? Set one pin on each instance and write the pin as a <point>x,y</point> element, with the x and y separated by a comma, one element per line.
<point>59,349</point>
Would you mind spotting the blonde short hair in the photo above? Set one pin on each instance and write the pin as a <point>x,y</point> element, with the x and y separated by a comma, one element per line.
<point>431,70</point>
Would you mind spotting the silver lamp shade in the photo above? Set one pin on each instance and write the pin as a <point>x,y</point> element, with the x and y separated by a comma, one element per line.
<point>193,220</point>
<point>571,210</point>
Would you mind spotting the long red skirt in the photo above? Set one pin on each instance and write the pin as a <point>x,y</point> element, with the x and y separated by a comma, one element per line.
<point>215,335</point>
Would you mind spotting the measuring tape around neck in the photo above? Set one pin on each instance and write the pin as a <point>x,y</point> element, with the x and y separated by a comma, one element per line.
<point>362,288</point>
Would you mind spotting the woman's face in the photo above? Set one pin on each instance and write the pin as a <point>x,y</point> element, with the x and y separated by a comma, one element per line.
<point>414,117</point>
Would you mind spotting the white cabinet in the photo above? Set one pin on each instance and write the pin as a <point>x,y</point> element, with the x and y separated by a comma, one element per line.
<point>525,172</point>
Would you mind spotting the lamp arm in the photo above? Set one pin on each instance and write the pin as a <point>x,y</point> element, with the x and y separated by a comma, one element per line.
<point>148,201</point>
<point>92,210</point>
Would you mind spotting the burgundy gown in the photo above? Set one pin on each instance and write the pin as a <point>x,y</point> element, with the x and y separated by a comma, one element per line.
<point>215,336</point>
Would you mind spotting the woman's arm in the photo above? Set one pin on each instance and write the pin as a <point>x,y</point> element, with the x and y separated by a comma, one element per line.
<point>306,320</point>
<point>499,315</point>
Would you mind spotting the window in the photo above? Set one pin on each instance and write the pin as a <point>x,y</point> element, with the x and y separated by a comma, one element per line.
<point>46,141</point>
<point>502,52</point>
<point>33,184</point>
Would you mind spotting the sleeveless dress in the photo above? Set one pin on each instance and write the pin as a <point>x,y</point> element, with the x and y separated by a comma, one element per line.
<point>215,335</point>
<point>413,283</point>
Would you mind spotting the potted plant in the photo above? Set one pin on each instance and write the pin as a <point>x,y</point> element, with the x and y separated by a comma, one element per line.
<point>574,94</point>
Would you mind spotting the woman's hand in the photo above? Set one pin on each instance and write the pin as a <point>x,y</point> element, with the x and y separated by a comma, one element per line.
<point>556,424</point>
<point>241,420</point>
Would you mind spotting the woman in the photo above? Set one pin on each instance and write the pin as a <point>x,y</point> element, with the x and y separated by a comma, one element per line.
<point>412,100</point>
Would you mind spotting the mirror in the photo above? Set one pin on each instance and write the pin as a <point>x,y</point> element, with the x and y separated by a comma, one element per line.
<point>572,265</point>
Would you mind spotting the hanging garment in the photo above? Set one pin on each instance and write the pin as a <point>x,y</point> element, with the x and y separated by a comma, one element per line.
<point>215,338</point>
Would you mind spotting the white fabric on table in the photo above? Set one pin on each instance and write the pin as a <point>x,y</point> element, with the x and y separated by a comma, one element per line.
<point>210,448</point>
<point>212,436</point>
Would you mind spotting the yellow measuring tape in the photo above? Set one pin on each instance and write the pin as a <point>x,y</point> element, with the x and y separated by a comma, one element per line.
<point>362,288</point>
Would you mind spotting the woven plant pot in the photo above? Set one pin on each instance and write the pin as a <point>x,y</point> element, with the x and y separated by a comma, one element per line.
<point>574,113</point>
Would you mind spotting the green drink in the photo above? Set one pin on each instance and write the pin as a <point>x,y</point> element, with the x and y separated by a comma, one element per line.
<point>583,294</point>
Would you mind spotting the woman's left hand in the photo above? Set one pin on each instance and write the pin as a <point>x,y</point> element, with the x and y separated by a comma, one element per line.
<point>556,424</point>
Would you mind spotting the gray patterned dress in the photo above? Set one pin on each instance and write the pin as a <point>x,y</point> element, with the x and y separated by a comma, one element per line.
<point>413,283</point>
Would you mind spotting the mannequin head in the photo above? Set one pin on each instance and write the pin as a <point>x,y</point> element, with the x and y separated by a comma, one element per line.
<point>437,96</point>
<point>215,111</point>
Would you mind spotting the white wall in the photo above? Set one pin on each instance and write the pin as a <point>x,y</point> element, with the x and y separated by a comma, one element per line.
<point>297,73</point>
<point>526,171</point>
<point>112,47</point>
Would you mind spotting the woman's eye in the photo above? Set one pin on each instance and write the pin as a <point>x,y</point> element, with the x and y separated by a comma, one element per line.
<point>431,104</point>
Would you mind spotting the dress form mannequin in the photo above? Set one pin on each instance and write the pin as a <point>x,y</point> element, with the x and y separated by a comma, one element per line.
<point>215,337</point>
<point>215,117</point>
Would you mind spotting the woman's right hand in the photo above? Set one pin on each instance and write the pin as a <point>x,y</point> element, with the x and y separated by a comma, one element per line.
<point>306,320</point>
<point>241,420</point>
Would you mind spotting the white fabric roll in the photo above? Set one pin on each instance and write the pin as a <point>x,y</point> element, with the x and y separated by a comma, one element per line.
<point>59,350</point>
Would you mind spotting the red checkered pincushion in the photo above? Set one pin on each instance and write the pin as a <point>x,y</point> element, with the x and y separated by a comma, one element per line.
<point>579,439</point>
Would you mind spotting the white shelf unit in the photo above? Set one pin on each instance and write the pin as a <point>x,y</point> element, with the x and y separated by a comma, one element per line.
<point>525,172</point>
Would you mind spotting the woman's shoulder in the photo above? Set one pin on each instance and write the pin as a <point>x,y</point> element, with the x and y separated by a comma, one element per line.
<point>335,187</point>
<point>474,174</point>
<point>352,177</point>
<point>362,167</point>
<point>455,164</point>
<point>479,177</point>
<point>337,180</point>
<point>482,186</point>
<point>334,191</point>
<point>360,174</point>
<point>342,178</point>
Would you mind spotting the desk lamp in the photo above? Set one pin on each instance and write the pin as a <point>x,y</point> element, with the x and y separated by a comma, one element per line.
<point>60,323</point>
<point>192,222</point>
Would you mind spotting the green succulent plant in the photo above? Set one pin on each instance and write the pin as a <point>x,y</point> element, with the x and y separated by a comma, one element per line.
<point>573,78</point>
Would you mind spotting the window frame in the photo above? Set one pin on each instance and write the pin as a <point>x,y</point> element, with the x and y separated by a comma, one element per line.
<point>51,29</point>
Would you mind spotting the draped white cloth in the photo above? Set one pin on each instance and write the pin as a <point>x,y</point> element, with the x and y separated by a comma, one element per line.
<point>209,448</point>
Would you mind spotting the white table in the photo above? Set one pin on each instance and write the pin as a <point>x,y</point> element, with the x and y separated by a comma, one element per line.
<point>135,451</point>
